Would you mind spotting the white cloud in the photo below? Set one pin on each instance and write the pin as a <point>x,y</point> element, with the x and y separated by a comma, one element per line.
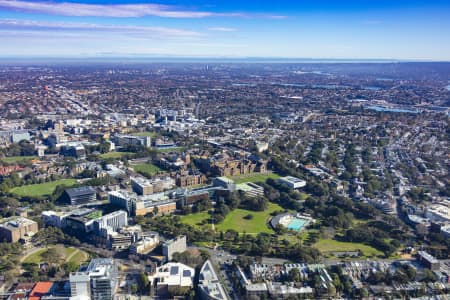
<point>277,17</point>
<point>223,29</point>
<point>108,10</point>
<point>29,25</point>
<point>119,10</point>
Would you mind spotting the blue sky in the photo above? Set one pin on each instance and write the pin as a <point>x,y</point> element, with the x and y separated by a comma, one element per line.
<point>227,28</point>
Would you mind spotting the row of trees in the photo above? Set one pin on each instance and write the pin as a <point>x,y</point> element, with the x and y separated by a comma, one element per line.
<point>23,148</point>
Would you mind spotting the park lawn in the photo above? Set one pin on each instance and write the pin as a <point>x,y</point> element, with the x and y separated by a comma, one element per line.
<point>173,149</point>
<point>36,257</point>
<point>210,245</point>
<point>79,257</point>
<point>41,189</point>
<point>235,220</point>
<point>254,177</point>
<point>146,169</point>
<point>291,238</point>
<point>114,154</point>
<point>327,246</point>
<point>305,234</point>
<point>144,133</point>
<point>17,159</point>
<point>194,219</point>
<point>68,251</point>
<point>65,252</point>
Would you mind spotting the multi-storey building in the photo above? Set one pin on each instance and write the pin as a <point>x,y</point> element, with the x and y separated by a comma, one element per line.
<point>142,205</point>
<point>112,221</point>
<point>97,282</point>
<point>129,140</point>
<point>79,195</point>
<point>148,242</point>
<point>172,276</point>
<point>184,179</point>
<point>73,149</point>
<point>172,246</point>
<point>142,186</point>
<point>225,165</point>
<point>16,229</point>
<point>209,286</point>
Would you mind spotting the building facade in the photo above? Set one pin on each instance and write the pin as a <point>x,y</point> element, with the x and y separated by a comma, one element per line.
<point>172,246</point>
<point>97,282</point>
<point>17,229</point>
<point>79,195</point>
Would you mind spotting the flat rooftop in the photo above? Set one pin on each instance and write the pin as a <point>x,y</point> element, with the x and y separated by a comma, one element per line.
<point>292,179</point>
<point>17,222</point>
<point>428,257</point>
<point>80,191</point>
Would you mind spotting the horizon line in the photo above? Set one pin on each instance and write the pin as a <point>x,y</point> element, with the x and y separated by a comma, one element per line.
<point>180,58</point>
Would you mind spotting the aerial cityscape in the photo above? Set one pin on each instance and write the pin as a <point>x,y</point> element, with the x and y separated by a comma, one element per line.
<point>147,153</point>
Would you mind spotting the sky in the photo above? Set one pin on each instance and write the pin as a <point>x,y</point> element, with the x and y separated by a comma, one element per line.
<point>359,29</point>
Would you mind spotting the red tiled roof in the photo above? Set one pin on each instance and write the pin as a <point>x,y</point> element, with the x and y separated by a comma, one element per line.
<point>39,290</point>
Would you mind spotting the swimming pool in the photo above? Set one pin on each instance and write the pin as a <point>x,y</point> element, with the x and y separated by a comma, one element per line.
<point>296,224</point>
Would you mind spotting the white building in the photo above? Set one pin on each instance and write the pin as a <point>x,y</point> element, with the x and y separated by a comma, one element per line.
<point>55,219</point>
<point>292,182</point>
<point>250,189</point>
<point>80,285</point>
<point>146,244</point>
<point>438,212</point>
<point>97,282</point>
<point>112,221</point>
<point>173,275</point>
<point>209,285</point>
<point>172,246</point>
<point>445,230</point>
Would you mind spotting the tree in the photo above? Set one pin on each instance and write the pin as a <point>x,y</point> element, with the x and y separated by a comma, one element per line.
<point>52,255</point>
<point>88,174</point>
<point>428,276</point>
<point>143,283</point>
<point>134,288</point>
<point>294,275</point>
<point>248,217</point>
<point>179,291</point>
<point>337,282</point>
<point>410,272</point>
<point>70,267</point>
<point>156,211</point>
<point>205,255</point>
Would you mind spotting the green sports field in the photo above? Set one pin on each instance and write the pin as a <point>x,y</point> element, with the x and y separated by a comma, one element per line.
<point>327,246</point>
<point>17,159</point>
<point>254,177</point>
<point>42,189</point>
<point>146,169</point>
<point>173,149</point>
<point>114,155</point>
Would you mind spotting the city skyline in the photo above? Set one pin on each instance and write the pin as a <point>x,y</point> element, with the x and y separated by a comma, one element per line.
<point>413,30</point>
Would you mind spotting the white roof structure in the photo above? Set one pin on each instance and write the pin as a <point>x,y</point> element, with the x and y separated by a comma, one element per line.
<point>175,274</point>
<point>209,283</point>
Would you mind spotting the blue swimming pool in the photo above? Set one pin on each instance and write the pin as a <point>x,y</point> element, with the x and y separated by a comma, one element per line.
<point>296,224</point>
